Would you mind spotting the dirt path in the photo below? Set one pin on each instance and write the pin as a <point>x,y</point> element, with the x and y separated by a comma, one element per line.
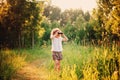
<point>32,71</point>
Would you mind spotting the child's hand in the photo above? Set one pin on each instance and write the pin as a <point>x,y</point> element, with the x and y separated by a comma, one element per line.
<point>63,34</point>
<point>56,33</point>
<point>64,37</point>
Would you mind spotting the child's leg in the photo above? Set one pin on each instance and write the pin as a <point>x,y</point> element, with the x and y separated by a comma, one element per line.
<point>57,65</point>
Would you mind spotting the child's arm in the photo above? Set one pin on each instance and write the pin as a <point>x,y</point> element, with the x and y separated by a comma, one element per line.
<point>64,37</point>
<point>51,35</point>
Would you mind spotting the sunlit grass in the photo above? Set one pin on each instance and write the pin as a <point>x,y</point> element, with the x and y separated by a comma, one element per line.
<point>74,56</point>
<point>91,63</point>
<point>103,65</point>
<point>79,62</point>
<point>10,62</point>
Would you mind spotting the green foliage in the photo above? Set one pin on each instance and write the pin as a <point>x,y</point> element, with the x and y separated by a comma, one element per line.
<point>103,65</point>
<point>80,30</point>
<point>46,35</point>
<point>70,31</point>
<point>70,15</point>
<point>10,62</point>
<point>74,23</point>
<point>108,14</point>
<point>88,63</point>
<point>102,25</point>
<point>79,62</point>
<point>48,26</point>
<point>52,13</point>
<point>87,16</point>
<point>20,23</point>
<point>74,56</point>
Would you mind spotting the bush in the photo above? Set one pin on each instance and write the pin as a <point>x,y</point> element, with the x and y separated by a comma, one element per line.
<point>104,65</point>
<point>10,62</point>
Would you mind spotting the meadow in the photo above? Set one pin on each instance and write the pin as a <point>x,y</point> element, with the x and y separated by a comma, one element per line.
<point>25,49</point>
<point>80,62</point>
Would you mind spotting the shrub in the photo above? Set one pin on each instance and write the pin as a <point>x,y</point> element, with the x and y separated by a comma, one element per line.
<point>10,62</point>
<point>104,65</point>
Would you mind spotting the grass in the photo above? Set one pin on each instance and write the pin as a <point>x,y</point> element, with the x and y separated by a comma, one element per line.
<point>9,63</point>
<point>73,55</point>
<point>79,62</point>
<point>76,53</point>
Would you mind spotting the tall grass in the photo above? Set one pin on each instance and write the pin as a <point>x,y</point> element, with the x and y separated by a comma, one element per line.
<point>88,63</point>
<point>74,56</point>
<point>10,62</point>
<point>104,65</point>
<point>79,62</point>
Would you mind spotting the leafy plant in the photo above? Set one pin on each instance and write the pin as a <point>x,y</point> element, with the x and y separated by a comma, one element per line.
<point>10,62</point>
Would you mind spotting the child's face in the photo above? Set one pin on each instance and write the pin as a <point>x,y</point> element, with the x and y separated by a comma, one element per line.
<point>57,34</point>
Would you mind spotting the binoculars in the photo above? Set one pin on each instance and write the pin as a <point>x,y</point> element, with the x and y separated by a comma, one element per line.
<point>60,33</point>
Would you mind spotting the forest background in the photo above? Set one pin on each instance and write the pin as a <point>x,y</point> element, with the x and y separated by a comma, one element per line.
<point>26,24</point>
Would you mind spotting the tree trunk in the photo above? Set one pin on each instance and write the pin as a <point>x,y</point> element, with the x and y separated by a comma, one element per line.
<point>19,41</point>
<point>23,41</point>
<point>33,39</point>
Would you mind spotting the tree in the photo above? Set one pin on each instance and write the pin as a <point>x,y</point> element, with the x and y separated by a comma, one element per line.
<point>87,16</point>
<point>21,22</point>
<point>110,17</point>
<point>52,13</point>
<point>110,10</point>
<point>33,21</point>
<point>70,15</point>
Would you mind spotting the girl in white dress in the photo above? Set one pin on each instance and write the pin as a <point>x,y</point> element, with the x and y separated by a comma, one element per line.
<point>57,37</point>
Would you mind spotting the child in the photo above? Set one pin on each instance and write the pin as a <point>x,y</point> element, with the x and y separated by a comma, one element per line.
<point>57,37</point>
